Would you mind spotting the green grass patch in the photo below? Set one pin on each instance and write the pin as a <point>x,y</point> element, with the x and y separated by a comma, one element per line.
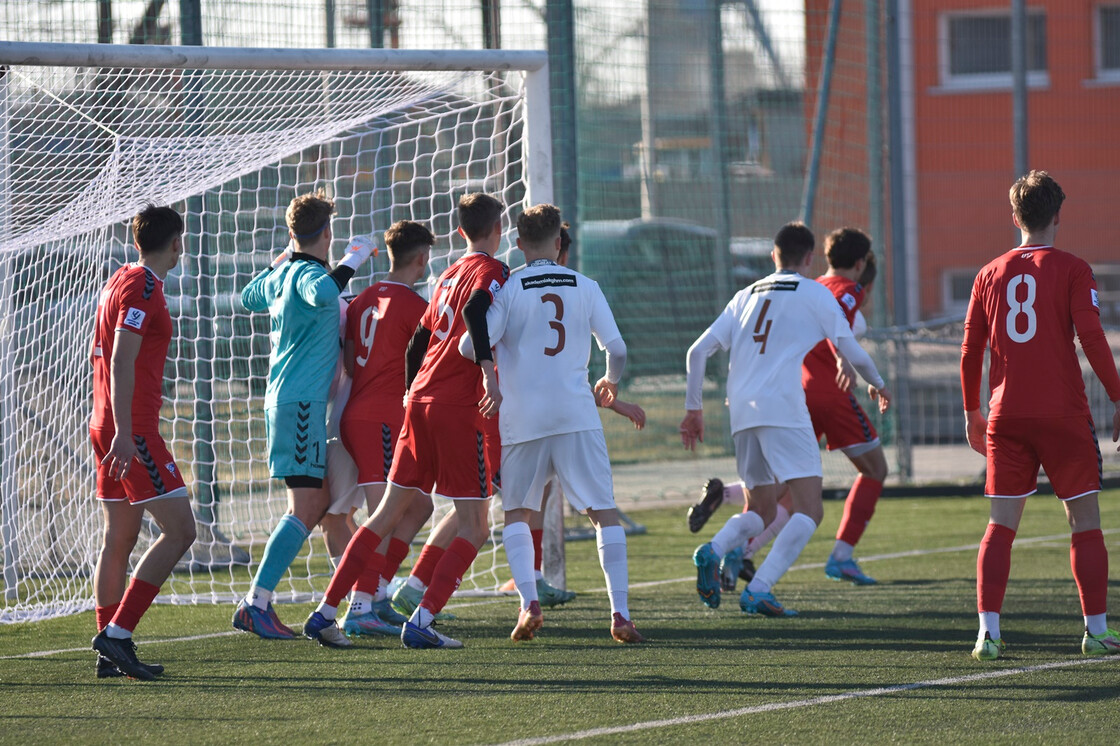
<point>917,625</point>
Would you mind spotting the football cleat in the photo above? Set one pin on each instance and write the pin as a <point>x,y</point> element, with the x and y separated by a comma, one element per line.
<point>1107,643</point>
<point>325,632</point>
<point>406,599</point>
<point>369,624</point>
<point>622,630</point>
<point>707,575</point>
<point>746,572</point>
<point>528,621</point>
<point>764,604</point>
<point>122,654</point>
<point>710,499</point>
<point>265,624</point>
<point>384,609</point>
<point>550,596</point>
<point>415,636</point>
<point>847,570</point>
<point>989,649</point>
<point>107,670</point>
<point>729,568</point>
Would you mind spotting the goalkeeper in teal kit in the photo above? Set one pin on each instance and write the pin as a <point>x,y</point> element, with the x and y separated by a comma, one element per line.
<point>300,293</point>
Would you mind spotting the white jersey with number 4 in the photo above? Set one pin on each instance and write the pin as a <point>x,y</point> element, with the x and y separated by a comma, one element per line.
<point>541,326</point>
<point>769,327</point>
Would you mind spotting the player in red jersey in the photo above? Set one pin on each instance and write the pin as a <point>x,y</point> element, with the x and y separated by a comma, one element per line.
<point>442,443</point>
<point>380,323</point>
<point>1025,306</point>
<point>135,471</point>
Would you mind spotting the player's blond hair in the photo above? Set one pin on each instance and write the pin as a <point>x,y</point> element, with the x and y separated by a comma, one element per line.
<point>539,225</point>
<point>308,215</point>
<point>1035,200</point>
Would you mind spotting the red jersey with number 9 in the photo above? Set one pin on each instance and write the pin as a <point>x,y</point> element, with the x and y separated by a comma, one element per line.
<point>446,376</point>
<point>1023,305</point>
<point>132,301</point>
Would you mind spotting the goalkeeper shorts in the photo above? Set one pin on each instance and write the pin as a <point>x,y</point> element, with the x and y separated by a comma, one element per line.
<point>297,439</point>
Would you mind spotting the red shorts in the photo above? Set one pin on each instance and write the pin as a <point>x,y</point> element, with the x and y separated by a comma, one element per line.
<point>153,473</point>
<point>444,446</point>
<point>839,418</point>
<point>371,444</point>
<point>1065,447</point>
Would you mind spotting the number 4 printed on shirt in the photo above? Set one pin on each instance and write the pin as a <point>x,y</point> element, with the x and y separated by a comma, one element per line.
<point>760,334</point>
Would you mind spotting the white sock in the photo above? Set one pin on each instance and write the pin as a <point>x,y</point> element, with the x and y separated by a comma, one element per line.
<point>989,622</point>
<point>258,597</point>
<point>422,617</point>
<point>117,633</point>
<point>736,531</point>
<point>518,541</point>
<point>414,582</point>
<point>787,548</point>
<point>612,558</point>
<point>382,590</point>
<point>329,612</point>
<point>842,551</point>
<point>335,562</point>
<point>360,603</point>
<point>781,518</point>
<point>1097,624</point>
<point>735,494</point>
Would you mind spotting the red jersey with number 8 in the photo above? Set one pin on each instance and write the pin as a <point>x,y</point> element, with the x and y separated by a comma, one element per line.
<point>1023,306</point>
<point>133,302</point>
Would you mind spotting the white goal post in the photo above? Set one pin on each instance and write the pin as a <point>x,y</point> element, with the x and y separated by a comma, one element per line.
<point>89,133</point>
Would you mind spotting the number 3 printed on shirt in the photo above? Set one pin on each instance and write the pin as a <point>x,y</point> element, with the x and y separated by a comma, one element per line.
<point>558,303</point>
<point>1021,308</point>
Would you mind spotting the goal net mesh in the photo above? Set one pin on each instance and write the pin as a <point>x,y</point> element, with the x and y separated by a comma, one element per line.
<point>85,148</point>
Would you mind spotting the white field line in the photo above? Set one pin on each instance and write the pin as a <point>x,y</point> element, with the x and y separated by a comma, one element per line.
<point>828,699</point>
<point>650,584</point>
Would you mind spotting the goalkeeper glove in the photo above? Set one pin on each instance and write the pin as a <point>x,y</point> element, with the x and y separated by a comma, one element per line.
<point>283,258</point>
<point>360,249</point>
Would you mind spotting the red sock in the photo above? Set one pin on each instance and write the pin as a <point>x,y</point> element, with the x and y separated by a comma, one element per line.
<point>538,548</point>
<point>858,509</point>
<point>359,552</point>
<point>394,556</point>
<point>371,576</point>
<point>448,574</point>
<point>426,563</point>
<point>993,565</point>
<point>105,615</point>
<point>136,601</point>
<point>1088,557</point>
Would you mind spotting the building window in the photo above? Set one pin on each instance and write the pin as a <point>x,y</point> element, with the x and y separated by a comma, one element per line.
<point>976,49</point>
<point>956,290</point>
<point>1108,42</point>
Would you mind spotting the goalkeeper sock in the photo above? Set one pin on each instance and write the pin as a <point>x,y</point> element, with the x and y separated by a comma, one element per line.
<point>785,551</point>
<point>518,541</point>
<point>136,601</point>
<point>612,558</point>
<point>449,573</point>
<point>283,546</point>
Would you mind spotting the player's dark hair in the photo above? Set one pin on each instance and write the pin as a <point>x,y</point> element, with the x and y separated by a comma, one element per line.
<point>308,215</point>
<point>539,224</point>
<point>565,242</point>
<point>793,242</point>
<point>477,214</point>
<point>405,239</point>
<point>154,228</point>
<point>870,271</point>
<point>846,246</point>
<point>1036,199</point>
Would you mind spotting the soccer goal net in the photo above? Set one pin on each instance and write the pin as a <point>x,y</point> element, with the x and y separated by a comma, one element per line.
<point>89,134</point>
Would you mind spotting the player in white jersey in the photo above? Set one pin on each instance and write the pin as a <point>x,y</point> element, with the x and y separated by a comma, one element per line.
<point>541,326</point>
<point>768,328</point>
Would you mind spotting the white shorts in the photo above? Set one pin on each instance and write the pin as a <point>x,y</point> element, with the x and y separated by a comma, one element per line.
<point>342,479</point>
<point>579,462</point>
<point>772,455</point>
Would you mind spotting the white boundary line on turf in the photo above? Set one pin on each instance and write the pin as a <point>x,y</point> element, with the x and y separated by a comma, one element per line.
<point>773,706</point>
<point>649,584</point>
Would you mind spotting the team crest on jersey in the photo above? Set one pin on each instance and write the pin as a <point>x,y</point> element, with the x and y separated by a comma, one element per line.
<point>170,466</point>
<point>849,301</point>
<point>134,318</point>
<point>1096,298</point>
<point>495,286</point>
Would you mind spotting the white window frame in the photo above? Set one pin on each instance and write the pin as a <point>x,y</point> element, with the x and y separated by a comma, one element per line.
<point>982,81</point>
<point>949,304</point>
<point>1103,75</point>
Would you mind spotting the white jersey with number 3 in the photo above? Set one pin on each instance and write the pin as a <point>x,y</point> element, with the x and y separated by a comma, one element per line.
<point>768,328</point>
<point>541,326</point>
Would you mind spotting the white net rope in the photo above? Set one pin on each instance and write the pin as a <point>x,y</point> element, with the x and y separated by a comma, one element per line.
<point>85,148</point>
